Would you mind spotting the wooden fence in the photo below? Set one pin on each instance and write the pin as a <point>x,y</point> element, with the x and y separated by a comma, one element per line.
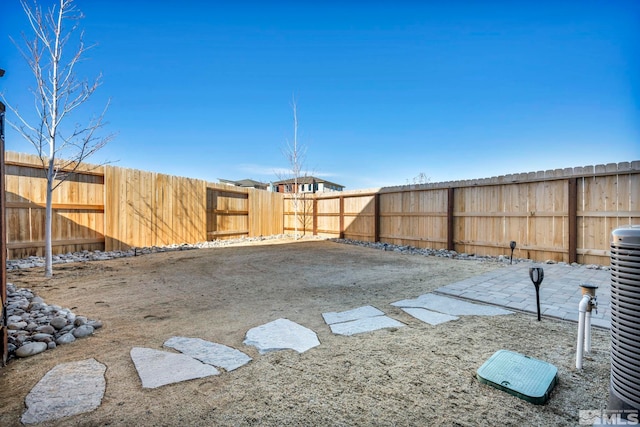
<point>112,208</point>
<point>564,215</point>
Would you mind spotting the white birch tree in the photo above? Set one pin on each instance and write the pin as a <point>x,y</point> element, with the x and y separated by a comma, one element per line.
<point>52,53</point>
<point>295,153</point>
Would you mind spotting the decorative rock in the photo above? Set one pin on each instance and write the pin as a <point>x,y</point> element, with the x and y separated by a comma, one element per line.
<point>46,329</point>
<point>51,345</point>
<point>366,324</point>
<point>95,323</point>
<point>68,389</point>
<point>65,339</point>
<point>14,319</point>
<point>42,337</point>
<point>31,348</point>
<point>68,328</point>
<point>18,325</point>
<point>431,317</point>
<point>58,322</point>
<point>209,352</point>
<point>356,313</point>
<point>451,306</point>
<point>83,331</point>
<point>281,334</point>
<point>157,368</point>
<point>80,320</point>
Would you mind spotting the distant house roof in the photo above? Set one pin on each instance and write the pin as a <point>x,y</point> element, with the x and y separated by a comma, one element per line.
<point>247,183</point>
<point>307,180</point>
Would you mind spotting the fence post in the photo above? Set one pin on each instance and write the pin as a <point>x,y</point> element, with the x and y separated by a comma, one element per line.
<point>4,344</point>
<point>572,214</point>
<point>342,217</point>
<point>315,215</point>
<point>376,217</point>
<point>450,228</point>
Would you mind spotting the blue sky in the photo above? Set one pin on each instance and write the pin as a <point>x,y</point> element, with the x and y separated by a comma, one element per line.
<point>385,90</point>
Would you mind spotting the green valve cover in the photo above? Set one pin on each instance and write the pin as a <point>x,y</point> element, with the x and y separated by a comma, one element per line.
<point>519,375</point>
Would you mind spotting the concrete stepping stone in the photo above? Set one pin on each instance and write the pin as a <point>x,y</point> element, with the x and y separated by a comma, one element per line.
<point>359,320</point>
<point>157,368</point>
<point>366,324</point>
<point>451,306</point>
<point>427,316</point>
<point>208,352</point>
<point>281,334</point>
<point>67,389</point>
<point>355,314</point>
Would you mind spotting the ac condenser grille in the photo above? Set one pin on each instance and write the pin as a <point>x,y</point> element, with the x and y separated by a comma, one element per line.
<point>625,315</point>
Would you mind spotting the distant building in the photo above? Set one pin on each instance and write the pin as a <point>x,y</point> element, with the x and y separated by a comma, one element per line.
<point>306,184</point>
<point>245,183</point>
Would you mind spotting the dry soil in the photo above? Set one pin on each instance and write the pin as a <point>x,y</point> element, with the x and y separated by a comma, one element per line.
<point>416,375</point>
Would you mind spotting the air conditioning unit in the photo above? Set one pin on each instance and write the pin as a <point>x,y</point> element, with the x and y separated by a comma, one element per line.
<point>624,393</point>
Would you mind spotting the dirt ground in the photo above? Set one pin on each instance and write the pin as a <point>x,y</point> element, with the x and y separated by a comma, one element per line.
<point>417,375</point>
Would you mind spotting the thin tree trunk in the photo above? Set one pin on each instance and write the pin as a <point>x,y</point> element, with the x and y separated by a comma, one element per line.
<point>48,258</point>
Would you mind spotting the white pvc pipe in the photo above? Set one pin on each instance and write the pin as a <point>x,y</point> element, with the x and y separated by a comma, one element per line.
<point>582,309</point>
<point>587,332</point>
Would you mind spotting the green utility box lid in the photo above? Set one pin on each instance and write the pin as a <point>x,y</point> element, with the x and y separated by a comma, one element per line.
<point>519,375</point>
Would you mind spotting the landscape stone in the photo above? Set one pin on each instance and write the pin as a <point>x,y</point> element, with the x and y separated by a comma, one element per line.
<point>58,322</point>
<point>18,325</point>
<point>46,329</point>
<point>97,324</point>
<point>13,319</point>
<point>83,331</point>
<point>80,320</point>
<point>431,317</point>
<point>452,306</point>
<point>366,324</point>
<point>67,389</point>
<point>356,313</point>
<point>31,348</point>
<point>209,352</point>
<point>157,368</point>
<point>42,337</point>
<point>281,334</point>
<point>65,339</point>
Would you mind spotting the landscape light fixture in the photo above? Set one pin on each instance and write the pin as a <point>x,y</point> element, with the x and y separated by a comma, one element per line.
<point>537,274</point>
<point>512,245</point>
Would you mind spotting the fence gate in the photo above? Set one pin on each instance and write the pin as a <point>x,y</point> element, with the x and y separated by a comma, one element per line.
<point>3,247</point>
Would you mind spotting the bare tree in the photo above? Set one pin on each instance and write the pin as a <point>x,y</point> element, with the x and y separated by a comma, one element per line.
<point>295,154</point>
<point>421,178</point>
<point>52,54</point>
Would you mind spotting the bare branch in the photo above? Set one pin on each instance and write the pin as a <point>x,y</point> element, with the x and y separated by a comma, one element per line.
<point>57,93</point>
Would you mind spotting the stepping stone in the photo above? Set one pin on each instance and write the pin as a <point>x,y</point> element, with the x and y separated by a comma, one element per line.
<point>452,306</point>
<point>281,334</point>
<point>346,316</point>
<point>359,320</point>
<point>431,317</point>
<point>366,324</point>
<point>157,368</point>
<point>209,352</point>
<point>67,389</point>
